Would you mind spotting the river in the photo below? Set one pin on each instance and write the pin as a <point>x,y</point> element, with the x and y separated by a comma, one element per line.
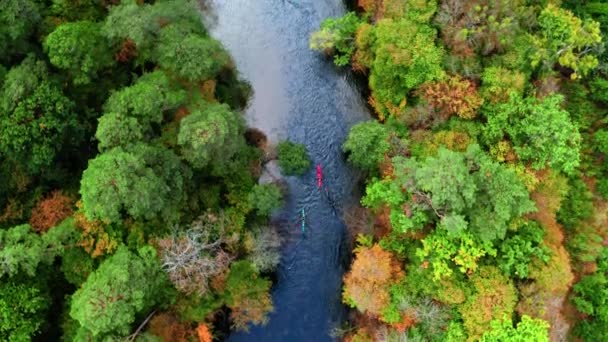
<point>298,95</point>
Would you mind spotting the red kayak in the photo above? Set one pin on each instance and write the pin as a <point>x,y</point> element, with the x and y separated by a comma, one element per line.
<point>319,176</point>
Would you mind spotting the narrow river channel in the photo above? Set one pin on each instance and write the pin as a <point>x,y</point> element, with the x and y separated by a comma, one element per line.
<point>298,95</point>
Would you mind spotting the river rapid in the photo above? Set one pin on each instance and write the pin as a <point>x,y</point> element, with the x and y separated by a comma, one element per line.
<point>298,95</point>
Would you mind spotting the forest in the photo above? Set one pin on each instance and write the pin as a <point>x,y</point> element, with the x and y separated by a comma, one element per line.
<point>484,215</point>
<point>130,207</point>
<point>133,207</point>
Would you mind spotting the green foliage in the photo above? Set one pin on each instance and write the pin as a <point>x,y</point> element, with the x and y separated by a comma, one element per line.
<point>265,198</point>
<point>601,141</point>
<point>18,21</point>
<point>517,250</point>
<point>498,83</point>
<point>366,144</point>
<point>591,298</point>
<point>189,56</point>
<point>381,192</point>
<point>143,182</point>
<point>293,158</point>
<point>446,253</point>
<point>22,250</point>
<point>142,24</point>
<point>211,133</point>
<point>405,57</point>
<point>540,130</point>
<point>247,295</point>
<point>131,112</point>
<point>567,40</point>
<point>124,286</point>
<point>23,307</point>
<point>466,191</point>
<point>577,205</point>
<point>78,10</point>
<point>76,265</point>
<point>337,37</point>
<point>80,49</point>
<point>528,329</point>
<point>35,116</point>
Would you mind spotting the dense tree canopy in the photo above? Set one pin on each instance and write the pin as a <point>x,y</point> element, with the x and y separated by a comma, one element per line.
<point>208,132</point>
<point>486,168</point>
<point>367,144</point>
<point>124,285</point>
<point>35,116</point>
<point>80,48</point>
<point>143,182</point>
<point>105,107</point>
<point>541,131</point>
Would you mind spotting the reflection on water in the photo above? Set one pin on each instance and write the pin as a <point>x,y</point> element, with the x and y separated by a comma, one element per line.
<point>298,95</point>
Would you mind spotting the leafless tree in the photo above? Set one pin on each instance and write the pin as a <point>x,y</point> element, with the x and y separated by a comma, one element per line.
<point>192,258</point>
<point>265,253</point>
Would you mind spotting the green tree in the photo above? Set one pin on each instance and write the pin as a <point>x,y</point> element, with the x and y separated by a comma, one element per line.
<point>265,198</point>
<point>124,286</point>
<point>528,329</point>
<point>143,182</point>
<point>517,250</point>
<point>71,10</point>
<point>591,298</point>
<point>247,295</point>
<point>189,56</point>
<point>540,130</point>
<point>337,37</point>
<point>601,140</point>
<point>366,144</point>
<point>405,57</point>
<point>21,251</point>
<point>293,158</point>
<point>18,21</point>
<point>568,40</point>
<point>35,116</point>
<point>23,307</point>
<point>211,133</point>
<point>79,48</point>
<point>142,24</point>
<point>447,252</point>
<point>465,191</point>
<point>131,112</point>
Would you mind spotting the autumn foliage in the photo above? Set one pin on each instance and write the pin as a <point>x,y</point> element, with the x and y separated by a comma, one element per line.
<point>168,327</point>
<point>204,334</point>
<point>366,286</point>
<point>95,238</point>
<point>454,96</point>
<point>51,210</point>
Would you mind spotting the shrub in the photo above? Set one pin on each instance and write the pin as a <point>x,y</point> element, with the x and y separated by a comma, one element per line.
<point>293,158</point>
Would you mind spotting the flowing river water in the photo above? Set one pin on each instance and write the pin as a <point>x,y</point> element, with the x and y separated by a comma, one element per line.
<point>298,95</point>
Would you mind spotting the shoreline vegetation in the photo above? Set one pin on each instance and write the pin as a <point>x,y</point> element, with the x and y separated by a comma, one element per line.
<point>484,211</point>
<point>129,203</point>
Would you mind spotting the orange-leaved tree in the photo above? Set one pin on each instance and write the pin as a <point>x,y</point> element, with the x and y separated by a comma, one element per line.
<point>366,286</point>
